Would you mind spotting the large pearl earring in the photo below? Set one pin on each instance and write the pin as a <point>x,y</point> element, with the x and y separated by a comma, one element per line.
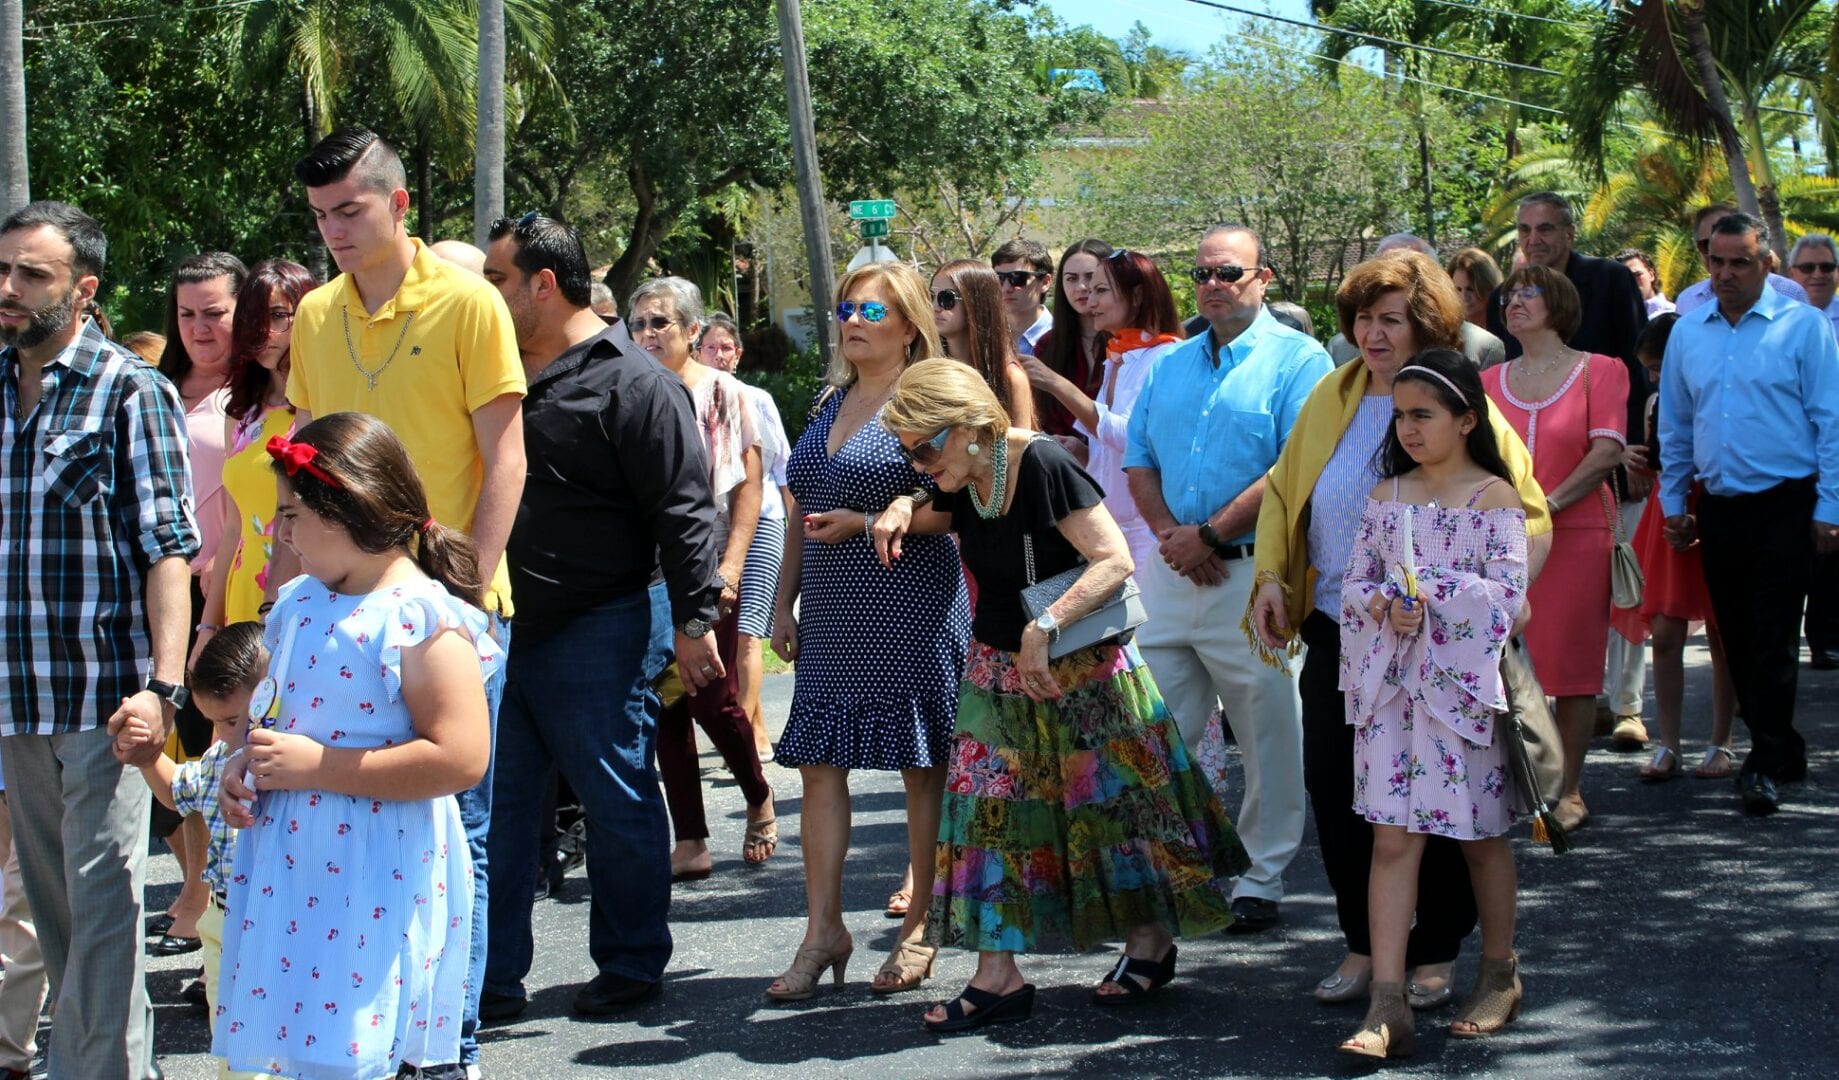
<point>973,449</point>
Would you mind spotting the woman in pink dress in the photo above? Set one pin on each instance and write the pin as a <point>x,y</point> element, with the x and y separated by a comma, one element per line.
<point>1571,409</point>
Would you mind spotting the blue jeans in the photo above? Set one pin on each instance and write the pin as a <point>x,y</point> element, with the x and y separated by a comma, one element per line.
<point>476,818</point>
<point>583,699</point>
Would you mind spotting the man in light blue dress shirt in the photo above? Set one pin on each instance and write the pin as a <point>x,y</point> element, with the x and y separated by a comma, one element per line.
<point>1814,263</point>
<point>1206,427</point>
<point>1749,407</point>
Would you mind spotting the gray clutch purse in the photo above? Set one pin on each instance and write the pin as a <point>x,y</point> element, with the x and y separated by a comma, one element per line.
<point>1117,617</point>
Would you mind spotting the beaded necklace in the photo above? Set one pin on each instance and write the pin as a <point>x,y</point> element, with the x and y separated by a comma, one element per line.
<point>999,482</point>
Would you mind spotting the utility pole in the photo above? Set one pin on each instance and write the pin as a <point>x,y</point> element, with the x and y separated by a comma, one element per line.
<point>15,182</point>
<point>810,182</point>
<point>488,154</point>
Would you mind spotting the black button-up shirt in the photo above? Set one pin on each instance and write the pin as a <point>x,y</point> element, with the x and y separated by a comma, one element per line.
<point>617,495</point>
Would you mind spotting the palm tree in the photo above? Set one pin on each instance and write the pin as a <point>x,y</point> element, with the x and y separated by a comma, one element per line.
<point>1692,57</point>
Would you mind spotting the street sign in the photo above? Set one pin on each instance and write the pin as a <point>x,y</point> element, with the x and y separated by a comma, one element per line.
<point>873,253</point>
<point>871,209</point>
<point>873,229</point>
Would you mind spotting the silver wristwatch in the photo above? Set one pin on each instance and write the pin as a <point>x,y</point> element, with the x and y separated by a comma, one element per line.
<point>1048,625</point>
<point>696,628</point>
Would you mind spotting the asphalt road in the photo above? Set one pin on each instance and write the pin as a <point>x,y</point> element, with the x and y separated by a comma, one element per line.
<point>1679,939</point>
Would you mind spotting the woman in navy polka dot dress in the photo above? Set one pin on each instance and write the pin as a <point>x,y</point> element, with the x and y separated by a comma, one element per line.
<point>879,644</point>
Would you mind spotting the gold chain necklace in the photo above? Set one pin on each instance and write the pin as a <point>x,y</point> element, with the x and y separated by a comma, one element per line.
<point>370,377</point>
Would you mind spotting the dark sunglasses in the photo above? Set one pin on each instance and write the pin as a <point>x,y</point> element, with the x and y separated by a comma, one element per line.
<point>1020,279</point>
<point>945,299</point>
<point>1225,275</point>
<point>927,452</point>
<point>872,310</point>
<point>654,322</point>
<point>1816,267</point>
<point>1704,245</point>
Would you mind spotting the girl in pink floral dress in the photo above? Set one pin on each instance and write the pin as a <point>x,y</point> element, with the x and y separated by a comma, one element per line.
<point>1433,591</point>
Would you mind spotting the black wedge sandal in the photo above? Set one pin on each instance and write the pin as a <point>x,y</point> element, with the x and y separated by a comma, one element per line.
<point>991,1009</point>
<point>1155,975</point>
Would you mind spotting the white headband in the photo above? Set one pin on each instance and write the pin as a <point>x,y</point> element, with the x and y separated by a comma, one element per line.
<point>1440,377</point>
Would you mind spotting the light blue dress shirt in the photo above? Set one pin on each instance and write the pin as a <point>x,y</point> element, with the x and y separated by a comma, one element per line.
<point>1212,422</point>
<point>1744,408</point>
<point>1699,294</point>
<point>1029,338</point>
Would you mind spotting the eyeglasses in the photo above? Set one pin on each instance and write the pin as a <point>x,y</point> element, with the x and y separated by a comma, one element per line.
<point>872,310</point>
<point>928,452</point>
<point>1524,292</point>
<point>280,319</point>
<point>1816,267</point>
<point>945,299</point>
<point>1225,275</point>
<point>1020,279</point>
<point>652,322</point>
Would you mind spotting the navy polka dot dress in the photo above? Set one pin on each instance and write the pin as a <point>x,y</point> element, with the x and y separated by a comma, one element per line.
<point>880,651</point>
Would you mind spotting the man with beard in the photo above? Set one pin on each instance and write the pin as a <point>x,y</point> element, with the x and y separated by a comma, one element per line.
<point>94,583</point>
<point>613,558</point>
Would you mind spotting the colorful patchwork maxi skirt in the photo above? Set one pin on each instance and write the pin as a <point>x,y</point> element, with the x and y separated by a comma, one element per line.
<point>1072,821</point>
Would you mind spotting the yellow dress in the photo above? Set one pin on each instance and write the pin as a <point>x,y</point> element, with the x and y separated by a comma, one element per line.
<point>248,478</point>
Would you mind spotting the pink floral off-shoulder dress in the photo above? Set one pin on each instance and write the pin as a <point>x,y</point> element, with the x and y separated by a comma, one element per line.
<point>1425,705</point>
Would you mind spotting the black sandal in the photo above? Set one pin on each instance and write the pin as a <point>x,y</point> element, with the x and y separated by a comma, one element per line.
<point>173,945</point>
<point>991,1009</point>
<point>1157,973</point>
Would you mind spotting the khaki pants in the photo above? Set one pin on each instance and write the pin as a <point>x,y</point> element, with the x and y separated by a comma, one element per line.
<point>22,992</point>
<point>210,932</point>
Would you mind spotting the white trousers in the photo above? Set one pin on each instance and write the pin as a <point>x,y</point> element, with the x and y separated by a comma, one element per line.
<point>1195,649</point>
<point>1625,668</point>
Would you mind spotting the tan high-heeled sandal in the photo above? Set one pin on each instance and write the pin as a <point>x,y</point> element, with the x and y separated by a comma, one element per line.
<point>910,963</point>
<point>1495,1002</point>
<point>799,983</point>
<point>1389,1030</point>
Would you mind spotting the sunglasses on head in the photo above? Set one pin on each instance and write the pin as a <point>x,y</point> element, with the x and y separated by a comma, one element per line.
<point>926,452</point>
<point>871,310</point>
<point>1225,275</point>
<point>652,322</point>
<point>1020,279</point>
<point>1816,267</point>
<point>945,299</point>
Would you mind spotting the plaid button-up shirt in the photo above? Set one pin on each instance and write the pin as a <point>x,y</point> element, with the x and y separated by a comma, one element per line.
<point>194,791</point>
<point>95,486</point>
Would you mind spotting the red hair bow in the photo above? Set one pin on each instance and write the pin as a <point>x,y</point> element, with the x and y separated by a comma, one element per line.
<point>295,456</point>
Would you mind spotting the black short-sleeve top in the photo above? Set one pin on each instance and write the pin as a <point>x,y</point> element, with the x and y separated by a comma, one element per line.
<point>1049,485</point>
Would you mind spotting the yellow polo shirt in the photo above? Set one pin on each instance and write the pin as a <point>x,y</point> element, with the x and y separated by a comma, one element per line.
<point>439,349</point>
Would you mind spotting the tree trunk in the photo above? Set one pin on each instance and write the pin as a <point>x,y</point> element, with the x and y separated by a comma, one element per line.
<point>1430,199</point>
<point>316,247</point>
<point>488,163</point>
<point>810,180</point>
<point>1766,197</point>
<point>426,220</point>
<point>15,179</point>
<point>1698,39</point>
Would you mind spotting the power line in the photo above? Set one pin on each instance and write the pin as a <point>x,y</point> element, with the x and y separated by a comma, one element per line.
<point>39,29</point>
<point>1376,39</point>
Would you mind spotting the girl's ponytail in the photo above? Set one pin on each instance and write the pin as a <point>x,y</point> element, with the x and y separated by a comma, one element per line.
<point>449,557</point>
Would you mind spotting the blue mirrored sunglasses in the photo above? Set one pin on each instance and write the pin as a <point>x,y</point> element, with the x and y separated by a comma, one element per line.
<point>872,310</point>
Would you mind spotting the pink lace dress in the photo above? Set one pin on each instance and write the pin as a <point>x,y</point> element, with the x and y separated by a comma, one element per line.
<point>1425,705</point>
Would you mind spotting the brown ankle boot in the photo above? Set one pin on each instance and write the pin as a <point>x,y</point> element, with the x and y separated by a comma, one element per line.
<point>1495,1002</point>
<point>1389,1030</point>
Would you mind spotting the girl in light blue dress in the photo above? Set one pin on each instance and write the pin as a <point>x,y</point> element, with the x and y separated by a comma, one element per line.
<point>349,904</point>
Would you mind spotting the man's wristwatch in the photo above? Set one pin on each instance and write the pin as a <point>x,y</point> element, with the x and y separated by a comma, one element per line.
<point>175,695</point>
<point>696,628</point>
<point>1210,537</point>
<point>1047,624</point>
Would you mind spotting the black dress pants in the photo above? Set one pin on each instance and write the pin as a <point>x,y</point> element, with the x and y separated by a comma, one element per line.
<point>1446,899</point>
<point>1822,621</point>
<point>1759,561</point>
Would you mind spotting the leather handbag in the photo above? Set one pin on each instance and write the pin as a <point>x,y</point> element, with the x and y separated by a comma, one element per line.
<point>1535,755</point>
<point>1626,581</point>
<point>1118,616</point>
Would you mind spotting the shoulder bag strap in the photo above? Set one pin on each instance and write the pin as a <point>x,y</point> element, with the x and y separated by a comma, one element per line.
<point>1606,491</point>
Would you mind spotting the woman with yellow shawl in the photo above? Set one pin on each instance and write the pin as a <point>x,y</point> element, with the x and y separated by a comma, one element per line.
<point>1391,307</point>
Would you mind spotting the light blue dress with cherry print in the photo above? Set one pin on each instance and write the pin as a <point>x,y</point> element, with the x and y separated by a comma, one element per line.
<point>348,919</point>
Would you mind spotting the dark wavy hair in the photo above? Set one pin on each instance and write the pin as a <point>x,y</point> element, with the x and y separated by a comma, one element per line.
<point>1140,280</point>
<point>175,362</point>
<point>232,660</point>
<point>249,330</point>
<point>986,325</point>
<point>1468,397</point>
<point>379,500</point>
<point>1064,344</point>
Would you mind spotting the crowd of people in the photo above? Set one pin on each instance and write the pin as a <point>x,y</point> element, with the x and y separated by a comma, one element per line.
<point>1035,557</point>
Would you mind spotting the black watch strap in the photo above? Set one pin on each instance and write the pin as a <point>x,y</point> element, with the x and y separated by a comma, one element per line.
<point>1210,537</point>
<point>176,694</point>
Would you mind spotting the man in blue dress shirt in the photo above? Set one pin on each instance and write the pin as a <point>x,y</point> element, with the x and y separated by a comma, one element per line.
<point>1749,406</point>
<point>1207,426</point>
